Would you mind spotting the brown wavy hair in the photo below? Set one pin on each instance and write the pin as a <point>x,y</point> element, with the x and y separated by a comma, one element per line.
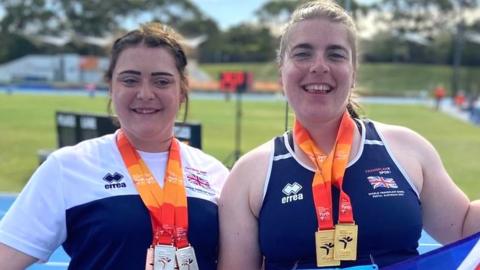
<point>151,35</point>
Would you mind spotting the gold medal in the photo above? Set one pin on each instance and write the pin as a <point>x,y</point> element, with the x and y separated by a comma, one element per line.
<point>346,236</point>
<point>149,260</point>
<point>186,259</point>
<point>324,245</point>
<point>164,257</point>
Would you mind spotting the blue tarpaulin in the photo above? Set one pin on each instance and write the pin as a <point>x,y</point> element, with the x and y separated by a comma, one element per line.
<point>462,255</point>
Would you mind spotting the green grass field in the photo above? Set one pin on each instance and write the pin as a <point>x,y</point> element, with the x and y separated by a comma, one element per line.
<point>374,79</point>
<point>27,124</point>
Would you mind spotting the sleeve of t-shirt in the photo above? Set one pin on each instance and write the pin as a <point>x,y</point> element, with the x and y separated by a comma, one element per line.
<point>221,174</point>
<point>35,223</point>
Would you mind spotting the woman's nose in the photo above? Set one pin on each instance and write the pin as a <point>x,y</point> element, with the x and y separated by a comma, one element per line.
<point>145,92</point>
<point>319,65</point>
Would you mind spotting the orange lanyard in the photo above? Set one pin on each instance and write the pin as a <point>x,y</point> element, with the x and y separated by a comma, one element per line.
<point>329,169</point>
<point>167,206</point>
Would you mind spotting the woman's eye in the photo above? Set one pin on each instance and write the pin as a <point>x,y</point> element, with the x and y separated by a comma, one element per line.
<point>162,82</point>
<point>301,54</point>
<point>129,81</point>
<point>337,55</point>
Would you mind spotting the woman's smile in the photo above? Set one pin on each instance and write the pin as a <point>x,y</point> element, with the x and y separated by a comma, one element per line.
<point>145,110</point>
<point>321,88</point>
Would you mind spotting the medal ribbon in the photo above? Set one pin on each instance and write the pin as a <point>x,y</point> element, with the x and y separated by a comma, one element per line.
<point>167,206</point>
<point>329,169</point>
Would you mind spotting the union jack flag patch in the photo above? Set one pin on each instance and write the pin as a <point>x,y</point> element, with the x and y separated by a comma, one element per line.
<point>379,181</point>
<point>197,180</point>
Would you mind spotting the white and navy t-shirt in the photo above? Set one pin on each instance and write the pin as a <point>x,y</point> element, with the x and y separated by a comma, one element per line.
<point>82,197</point>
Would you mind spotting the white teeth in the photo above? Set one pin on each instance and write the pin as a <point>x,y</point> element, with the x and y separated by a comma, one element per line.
<point>144,111</point>
<point>317,88</point>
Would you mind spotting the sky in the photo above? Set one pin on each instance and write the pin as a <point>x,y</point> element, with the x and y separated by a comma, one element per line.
<point>231,12</point>
<point>228,12</point>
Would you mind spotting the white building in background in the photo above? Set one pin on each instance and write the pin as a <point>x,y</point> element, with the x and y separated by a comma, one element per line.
<point>77,69</point>
<point>67,68</point>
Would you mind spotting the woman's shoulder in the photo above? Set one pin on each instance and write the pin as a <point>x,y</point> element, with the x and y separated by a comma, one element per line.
<point>257,158</point>
<point>201,158</point>
<point>404,140</point>
<point>252,168</point>
<point>91,148</point>
<point>248,176</point>
<point>398,133</point>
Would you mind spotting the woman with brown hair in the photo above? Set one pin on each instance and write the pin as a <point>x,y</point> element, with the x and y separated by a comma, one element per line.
<point>134,199</point>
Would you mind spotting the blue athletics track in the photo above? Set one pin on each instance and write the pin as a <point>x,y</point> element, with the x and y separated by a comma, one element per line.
<point>59,259</point>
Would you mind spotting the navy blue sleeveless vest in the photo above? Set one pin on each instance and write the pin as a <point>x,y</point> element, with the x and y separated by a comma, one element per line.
<point>385,204</point>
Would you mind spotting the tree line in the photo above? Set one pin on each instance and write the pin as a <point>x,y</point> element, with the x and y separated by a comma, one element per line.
<point>430,31</point>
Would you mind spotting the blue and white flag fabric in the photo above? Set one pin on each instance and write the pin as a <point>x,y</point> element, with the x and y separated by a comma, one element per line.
<point>461,255</point>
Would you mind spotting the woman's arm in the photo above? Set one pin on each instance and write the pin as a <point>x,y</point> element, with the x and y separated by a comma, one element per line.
<point>448,214</point>
<point>12,259</point>
<point>471,224</point>
<point>240,203</point>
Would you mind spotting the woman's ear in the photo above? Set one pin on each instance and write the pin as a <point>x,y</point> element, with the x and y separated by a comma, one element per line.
<point>280,79</point>
<point>183,95</point>
<point>109,83</point>
<point>354,79</point>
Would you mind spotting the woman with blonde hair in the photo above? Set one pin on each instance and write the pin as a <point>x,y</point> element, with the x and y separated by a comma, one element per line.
<point>337,190</point>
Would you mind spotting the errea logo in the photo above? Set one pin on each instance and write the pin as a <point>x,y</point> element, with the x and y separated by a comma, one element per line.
<point>292,193</point>
<point>114,181</point>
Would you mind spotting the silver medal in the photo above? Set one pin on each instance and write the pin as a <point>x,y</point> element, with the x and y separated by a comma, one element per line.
<point>186,259</point>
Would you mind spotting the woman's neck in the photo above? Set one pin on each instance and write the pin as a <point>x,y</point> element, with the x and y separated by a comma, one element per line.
<point>323,134</point>
<point>153,145</point>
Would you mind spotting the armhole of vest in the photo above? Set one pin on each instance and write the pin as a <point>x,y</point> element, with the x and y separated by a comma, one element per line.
<point>400,168</point>
<point>363,135</point>
<point>289,139</point>
<point>269,169</point>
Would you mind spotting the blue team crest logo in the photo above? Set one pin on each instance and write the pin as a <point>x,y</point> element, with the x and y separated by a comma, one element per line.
<point>382,182</point>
